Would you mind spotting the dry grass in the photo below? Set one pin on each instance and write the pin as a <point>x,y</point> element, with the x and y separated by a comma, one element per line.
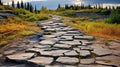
<point>15,28</point>
<point>95,28</point>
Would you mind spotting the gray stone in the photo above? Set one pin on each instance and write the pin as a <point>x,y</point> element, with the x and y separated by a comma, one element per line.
<point>80,65</point>
<point>108,60</point>
<point>67,60</point>
<point>76,49</point>
<point>41,46</point>
<point>63,46</point>
<point>53,52</point>
<point>71,53</point>
<point>1,55</point>
<point>85,48</point>
<point>73,32</point>
<point>66,38</point>
<point>47,42</point>
<point>70,42</point>
<point>50,30</point>
<point>102,51</point>
<point>68,34</point>
<point>87,61</point>
<point>9,52</point>
<point>85,37</point>
<point>59,66</point>
<point>85,42</point>
<point>41,60</point>
<point>116,53</point>
<point>84,53</point>
<point>20,57</point>
<point>49,36</point>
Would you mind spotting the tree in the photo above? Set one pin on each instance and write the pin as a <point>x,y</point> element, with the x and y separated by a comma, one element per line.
<point>25,6</point>
<point>35,9</point>
<point>31,8</point>
<point>22,4</point>
<point>18,4</point>
<point>28,6</point>
<point>59,6</point>
<point>66,6</point>
<point>13,5</point>
<point>1,2</point>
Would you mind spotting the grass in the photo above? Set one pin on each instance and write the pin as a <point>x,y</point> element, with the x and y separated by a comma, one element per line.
<point>95,28</point>
<point>28,16</point>
<point>16,28</point>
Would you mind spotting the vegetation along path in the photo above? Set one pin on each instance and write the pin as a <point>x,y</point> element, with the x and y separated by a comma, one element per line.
<point>60,45</point>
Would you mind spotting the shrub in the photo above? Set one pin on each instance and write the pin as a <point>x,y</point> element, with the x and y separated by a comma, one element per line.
<point>114,18</point>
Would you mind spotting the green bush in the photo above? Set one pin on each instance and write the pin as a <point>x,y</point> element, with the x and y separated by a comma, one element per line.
<point>114,18</point>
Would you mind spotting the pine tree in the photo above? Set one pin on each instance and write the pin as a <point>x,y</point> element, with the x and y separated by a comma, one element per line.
<point>25,6</point>
<point>18,4</point>
<point>28,6</point>
<point>1,2</point>
<point>22,5</point>
<point>31,8</point>
<point>59,6</point>
<point>35,9</point>
<point>13,5</point>
<point>66,6</point>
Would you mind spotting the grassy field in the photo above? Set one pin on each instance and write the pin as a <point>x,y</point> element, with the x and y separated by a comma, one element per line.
<point>96,28</point>
<point>16,28</point>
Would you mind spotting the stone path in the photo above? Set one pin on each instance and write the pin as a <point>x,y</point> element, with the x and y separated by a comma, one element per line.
<point>64,46</point>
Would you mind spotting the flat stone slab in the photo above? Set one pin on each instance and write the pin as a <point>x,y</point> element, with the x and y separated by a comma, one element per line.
<point>41,60</point>
<point>85,42</point>
<point>66,38</point>
<point>9,52</point>
<point>50,30</point>
<point>102,51</point>
<point>80,65</point>
<point>73,32</point>
<point>59,66</point>
<point>53,52</point>
<point>85,48</point>
<point>47,42</point>
<point>71,53</point>
<point>87,61</point>
<point>67,60</point>
<point>49,36</point>
<point>62,46</point>
<point>71,42</point>
<point>41,46</point>
<point>85,37</point>
<point>20,57</point>
<point>108,60</point>
<point>84,53</point>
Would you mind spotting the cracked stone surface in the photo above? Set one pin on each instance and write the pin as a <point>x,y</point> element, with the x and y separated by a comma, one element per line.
<point>67,60</point>
<point>59,45</point>
<point>21,57</point>
<point>41,60</point>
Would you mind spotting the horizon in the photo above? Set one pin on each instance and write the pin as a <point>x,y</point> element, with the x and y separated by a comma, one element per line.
<point>52,4</point>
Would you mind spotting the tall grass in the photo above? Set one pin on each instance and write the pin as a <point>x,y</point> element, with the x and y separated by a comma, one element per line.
<point>15,28</point>
<point>96,28</point>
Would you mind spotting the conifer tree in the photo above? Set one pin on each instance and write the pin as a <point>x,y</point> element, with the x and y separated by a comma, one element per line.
<point>66,6</point>
<point>35,9</point>
<point>59,6</point>
<point>13,5</point>
<point>31,8</point>
<point>1,2</point>
<point>22,4</point>
<point>18,4</point>
<point>28,6</point>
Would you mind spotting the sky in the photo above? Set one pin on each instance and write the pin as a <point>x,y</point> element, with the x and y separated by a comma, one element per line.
<point>6,1</point>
